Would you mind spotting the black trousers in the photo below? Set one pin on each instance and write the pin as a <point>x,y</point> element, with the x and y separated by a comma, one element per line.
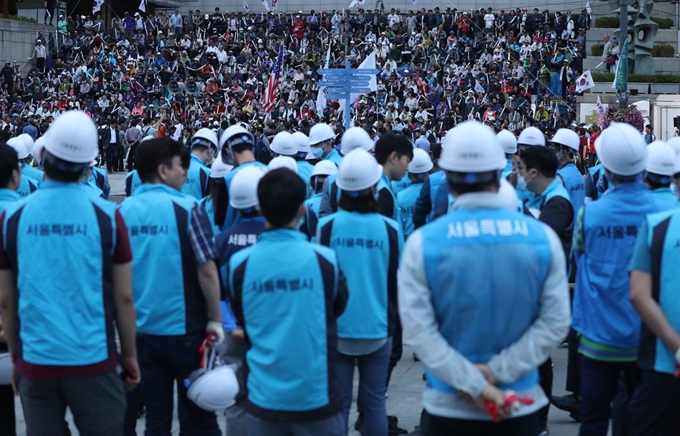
<point>438,426</point>
<point>112,158</point>
<point>7,418</point>
<point>655,406</point>
<point>545,374</point>
<point>131,157</point>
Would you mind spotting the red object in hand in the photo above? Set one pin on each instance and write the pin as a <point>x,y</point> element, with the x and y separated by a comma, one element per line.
<point>511,400</point>
<point>677,369</point>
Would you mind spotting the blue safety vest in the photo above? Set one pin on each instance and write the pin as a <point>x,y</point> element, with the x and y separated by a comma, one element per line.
<point>368,248</point>
<point>132,182</point>
<point>407,203</point>
<point>91,189</point>
<point>602,311</point>
<point>167,294</point>
<point>663,241</point>
<point>101,180</point>
<point>304,170</point>
<point>665,194</point>
<point>554,189</point>
<point>599,180</point>
<point>466,293</point>
<point>61,244</point>
<point>312,207</point>
<point>209,207</point>
<point>7,198</point>
<point>384,184</point>
<point>33,173</point>
<point>400,185</point>
<point>290,363</point>
<point>508,168</point>
<point>198,176</point>
<point>334,157</point>
<point>26,186</point>
<point>438,192</point>
<point>575,186</point>
<point>233,216</point>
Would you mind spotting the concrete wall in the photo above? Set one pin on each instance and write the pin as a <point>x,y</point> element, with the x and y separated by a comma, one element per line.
<point>17,40</point>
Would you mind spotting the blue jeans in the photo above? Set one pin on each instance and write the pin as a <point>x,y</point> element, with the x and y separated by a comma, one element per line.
<point>599,383</point>
<point>331,426</point>
<point>372,375</point>
<point>163,361</point>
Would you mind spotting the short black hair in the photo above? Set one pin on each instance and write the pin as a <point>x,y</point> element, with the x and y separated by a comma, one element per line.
<point>540,158</point>
<point>156,152</point>
<point>392,143</point>
<point>9,161</point>
<point>62,171</point>
<point>360,204</point>
<point>280,194</point>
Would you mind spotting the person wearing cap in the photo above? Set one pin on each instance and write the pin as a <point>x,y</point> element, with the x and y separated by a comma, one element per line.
<point>418,171</point>
<point>177,301</point>
<point>243,197</point>
<point>66,358</point>
<point>445,274</point>
<point>566,144</point>
<point>654,296</point>
<point>659,171</point>
<point>321,138</point>
<point>604,239</point>
<point>27,185</point>
<point>292,366</point>
<point>203,146</point>
<point>508,142</point>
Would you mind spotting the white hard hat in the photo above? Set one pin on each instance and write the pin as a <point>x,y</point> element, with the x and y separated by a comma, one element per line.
<point>676,167</point>
<point>283,162</point>
<point>73,138</point>
<point>531,136</point>
<point>205,135</point>
<point>508,141</point>
<point>508,195</point>
<point>660,159</point>
<point>243,187</point>
<point>355,137</point>
<point>28,142</point>
<point>284,144</point>
<point>219,169</point>
<point>622,149</point>
<point>674,143</point>
<point>302,142</point>
<point>319,133</point>
<point>235,134</point>
<point>19,146</point>
<point>471,147</point>
<point>421,162</point>
<point>324,168</point>
<point>38,146</point>
<point>358,171</point>
<point>214,390</point>
<point>567,137</point>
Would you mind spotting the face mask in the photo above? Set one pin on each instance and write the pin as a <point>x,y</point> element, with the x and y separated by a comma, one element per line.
<point>521,183</point>
<point>317,152</point>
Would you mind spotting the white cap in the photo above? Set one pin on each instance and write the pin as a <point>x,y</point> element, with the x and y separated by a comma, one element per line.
<point>471,147</point>
<point>531,136</point>
<point>73,138</point>
<point>319,133</point>
<point>219,169</point>
<point>207,134</point>
<point>284,144</point>
<point>622,149</point>
<point>568,138</point>
<point>302,142</point>
<point>243,187</point>
<point>508,141</point>
<point>283,162</point>
<point>660,159</point>
<point>358,171</point>
<point>508,194</point>
<point>355,137</point>
<point>421,162</point>
<point>19,146</point>
<point>324,168</point>
<point>674,143</point>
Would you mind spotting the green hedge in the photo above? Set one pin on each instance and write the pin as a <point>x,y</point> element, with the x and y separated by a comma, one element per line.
<point>659,51</point>
<point>21,18</point>
<point>642,78</point>
<point>613,22</point>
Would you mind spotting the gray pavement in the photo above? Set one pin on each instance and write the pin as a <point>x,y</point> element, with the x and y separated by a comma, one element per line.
<point>405,399</point>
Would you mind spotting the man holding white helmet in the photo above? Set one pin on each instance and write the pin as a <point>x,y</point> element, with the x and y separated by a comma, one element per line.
<point>565,144</point>
<point>203,146</point>
<point>446,274</point>
<point>61,232</point>
<point>321,138</point>
<point>236,148</point>
<point>604,239</point>
<point>659,171</point>
<point>243,198</point>
<point>418,171</point>
<point>177,300</point>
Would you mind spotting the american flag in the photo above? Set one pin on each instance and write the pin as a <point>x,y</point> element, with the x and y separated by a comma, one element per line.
<point>275,79</point>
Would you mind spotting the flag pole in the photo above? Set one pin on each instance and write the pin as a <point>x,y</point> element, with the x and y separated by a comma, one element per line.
<point>623,33</point>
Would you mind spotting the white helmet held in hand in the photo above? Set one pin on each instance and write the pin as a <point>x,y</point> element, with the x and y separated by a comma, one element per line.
<point>531,136</point>
<point>324,168</point>
<point>284,144</point>
<point>622,149</point>
<point>471,147</point>
<point>355,137</point>
<point>243,187</point>
<point>421,162</point>
<point>358,171</point>
<point>660,159</point>
<point>214,390</point>
<point>283,162</point>
<point>320,133</point>
<point>73,138</point>
<point>302,142</point>
<point>568,138</point>
<point>508,141</point>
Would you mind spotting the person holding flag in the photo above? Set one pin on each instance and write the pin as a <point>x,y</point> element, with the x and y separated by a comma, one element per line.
<point>275,79</point>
